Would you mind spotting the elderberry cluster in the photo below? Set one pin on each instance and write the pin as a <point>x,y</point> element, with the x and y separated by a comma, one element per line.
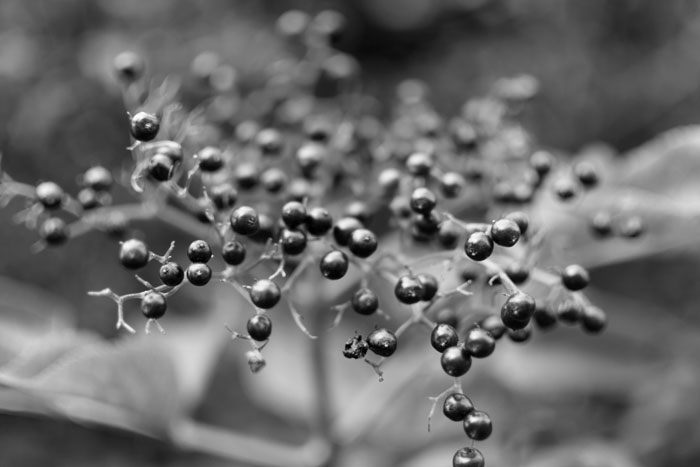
<point>301,172</point>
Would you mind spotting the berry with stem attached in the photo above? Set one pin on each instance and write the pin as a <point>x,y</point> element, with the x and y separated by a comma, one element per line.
<point>382,342</point>
<point>133,254</point>
<point>259,327</point>
<point>443,336</point>
<point>362,243</point>
<point>477,425</point>
<point>423,200</point>
<point>430,285</point>
<point>365,301</point>
<point>144,126</point>
<point>264,294</point>
<point>334,265</point>
<point>455,362</point>
<point>153,305</point>
<point>479,343</point>
<point>409,289</point>
<point>517,310</point>
<point>468,457</point>
<point>233,253</point>
<point>198,274</point>
<point>245,220</point>
<point>171,274</point>
<point>199,251</point>
<point>505,232</point>
<point>478,246</point>
<point>457,406</point>
<point>575,277</point>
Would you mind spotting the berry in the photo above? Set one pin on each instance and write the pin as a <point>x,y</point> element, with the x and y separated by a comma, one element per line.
<point>233,253</point>
<point>344,228</point>
<point>419,164</point>
<point>455,362</point>
<point>293,214</point>
<point>365,301</point>
<point>267,228</point>
<point>542,162</point>
<point>88,198</point>
<point>269,141</point>
<point>518,273</point>
<point>457,406</point>
<point>452,184</point>
<point>358,210</point>
<point>520,335</point>
<point>479,343</point>
<point>565,188</point>
<point>601,224</point>
<point>587,174</point>
<point>632,227</point>
<point>569,312</point>
<point>449,235</point>
<point>521,219</point>
<point>133,254</point>
<point>160,167</point>
<point>447,316</point>
<point>468,457</point>
<point>247,176</point>
<point>98,178</point>
<point>423,200</point>
<point>223,195</point>
<point>443,336</point>
<point>362,243</point>
<point>309,156</point>
<point>517,310</point>
<point>477,425</point>
<point>171,274</point>
<point>428,224</point>
<point>54,231</point>
<point>259,327</point>
<point>478,246</point>
<point>153,305</point>
<point>382,342</point>
<point>575,277</point>
<point>493,325</point>
<point>593,319</point>
<point>293,241</point>
<point>210,159</point>
<point>505,232</point>
<point>389,181</point>
<point>198,274</point>
<point>545,317</point>
<point>334,265</point>
<point>129,66</point>
<point>318,221</point>
<point>355,347</point>
<point>430,285</point>
<point>265,294</point>
<point>245,220</point>
<point>409,290</point>
<point>144,126</point>
<point>199,251</point>
<point>273,180</point>
<point>50,195</point>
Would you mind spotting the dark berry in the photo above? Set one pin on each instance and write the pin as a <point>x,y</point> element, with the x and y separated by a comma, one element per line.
<point>593,319</point>
<point>210,159</point>
<point>293,241</point>
<point>477,425</point>
<point>382,342</point>
<point>545,317</point>
<point>267,229</point>
<point>98,178</point>
<point>520,335</point>
<point>493,325</point>
<point>423,200</point>
<point>521,219</point>
<point>54,231</point>
<point>447,316</point>
<point>293,214</point>
<point>334,265</point>
<point>419,164</point>
<point>153,305</point>
<point>160,167</point>
<point>318,221</point>
<point>245,220</point>
<point>223,195</point>
<point>565,188</point>
<point>505,232</point>
<point>443,336</point>
<point>144,126</point>
<point>355,347</point>
<point>133,254</point>
<point>265,294</point>
<point>517,310</point>
<point>479,343</point>
<point>247,176</point>
<point>129,66</point>
<point>273,180</point>
<point>569,312</point>
<point>455,362</point>
<point>428,224</point>
<point>269,141</point>
<point>233,253</point>
<point>198,274</point>
<point>199,251</point>
<point>575,277</point>
<point>430,285</point>
<point>309,156</point>
<point>457,406</point>
<point>503,192</point>
<point>359,210</point>
<point>50,195</point>
<point>632,227</point>
<point>344,228</point>
<point>409,290</point>
<point>259,327</point>
<point>587,174</point>
<point>299,189</point>
<point>88,198</point>
<point>452,184</point>
<point>362,243</point>
<point>478,246</point>
<point>518,273</point>
<point>601,224</point>
<point>449,235</point>
<point>389,181</point>
<point>318,129</point>
<point>171,274</point>
<point>542,162</point>
<point>365,301</point>
<point>468,457</point>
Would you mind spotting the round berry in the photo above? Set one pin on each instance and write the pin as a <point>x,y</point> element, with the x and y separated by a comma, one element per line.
<point>452,184</point>
<point>198,274</point>
<point>601,224</point>
<point>144,126</point>
<point>273,180</point>
<point>443,336</point>
<point>318,221</point>
<point>542,162</point>
<point>565,188</point>
<point>267,229</point>
<point>233,253</point>
<point>468,457</point>
<point>50,195</point>
<point>478,246</point>
<point>423,200</point>
<point>479,343</point>
<point>362,243</point>
<point>428,224</point>
<point>520,335</point>
<point>419,164</point>
<point>293,241</point>
<point>247,176</point>
<point>265,294</point>
<point>171,274</point>
<point>455,362</point>
<point>153,305</point>
<point>269,141</point>
<point>344,228</point>
<point>129,66</point>
<point>160,167</point>
<point>54,231</point>
<point>493,325</point>
<point>98,178</point>
<point>389,181</point>
<point>632,227</point>
<point>245,220</point>
<point>133,254</point>
<point>517,310</point>
<point>430,285</point>
<point>447,316</point>
<point>544,317</point>
<point>359,210</point>
<point>355,347</point>
<point>199,251</point>
<point>575,277</point>
<point>365,301</point>
<point>449,235</point>
<point>293,214</point>
<point>457,406</point>
<point>382,342</point>
<point>309,156</point>
<point>334,265</point>
<point>88,198</point>
<point>569,312</point>
<point>259,327</point>
<point>587,174</point>
<point>210,159</point>
<point>520,218</point>
<point>518,273</point>
<point>477,425</point>
<point>409,290</point>
<point>593,319</point>
<point>505,232</point>
<point>223,195</point>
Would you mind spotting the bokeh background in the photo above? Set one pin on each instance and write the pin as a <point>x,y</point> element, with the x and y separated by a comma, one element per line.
<point>618,72</point>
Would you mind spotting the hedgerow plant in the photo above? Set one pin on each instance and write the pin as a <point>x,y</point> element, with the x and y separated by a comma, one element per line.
<point>306,174</point>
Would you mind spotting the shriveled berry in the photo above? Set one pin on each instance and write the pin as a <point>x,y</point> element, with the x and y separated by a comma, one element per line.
<point>569,312</point>
<point>468,457</point>
<point>50,195</point>
<point>344,228</point>
<point>443,336</point>
<point>365,301</point>
<point>199,251</point>
<point>98,178</point>
<point>264,293</point>
<point>575,277</point>
<point>593,319</point>
<point>318,221</point>
<point>479,343</point>
<point>517,310</point>
<point>144,126</point>
<point>245,220</point>
<point>382,342</point>
<point>455,362</point>
<point>210,159</point>
<point>334,265</point>
<point>233,253</point>
<point>477,425</point>
<point>478,246</point>
<point>259,327</point>
<point>423,200</point>
<point>430,285</point>
<point>362,243</point>
<point>198,274</point>
<point>505,232</point>
<point>153,305</point>
<point>355,347</point>
<point>54,231</point>
<point>493,325</point>
<point>457,406</point>
<point>409,290</point>
<point>171,274</point>
<point>293,241</point>
<point>133,254</point>
<point>293,214</point>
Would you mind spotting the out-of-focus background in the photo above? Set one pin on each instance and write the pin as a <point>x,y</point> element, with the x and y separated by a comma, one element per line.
<point>618,71</point>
